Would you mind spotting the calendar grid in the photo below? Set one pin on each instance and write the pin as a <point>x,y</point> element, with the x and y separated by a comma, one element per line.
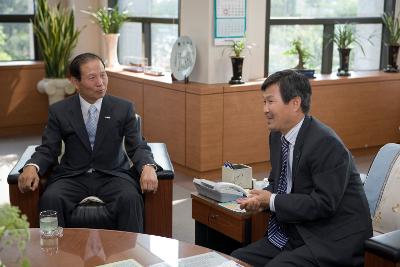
<point>230,19</point>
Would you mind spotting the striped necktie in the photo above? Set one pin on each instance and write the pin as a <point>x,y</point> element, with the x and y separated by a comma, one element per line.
<point>91,124</point>
<point>276,234</point>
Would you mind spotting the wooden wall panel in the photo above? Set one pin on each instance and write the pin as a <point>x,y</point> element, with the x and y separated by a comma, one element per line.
<point>362,114</point>
<point>22,107</point>
<point>204,124</point>
<point>245,130</point>
<point>129,90</point>
<point>164,119</point>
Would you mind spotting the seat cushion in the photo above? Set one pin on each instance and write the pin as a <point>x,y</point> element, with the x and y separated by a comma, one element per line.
<point>91,214</point>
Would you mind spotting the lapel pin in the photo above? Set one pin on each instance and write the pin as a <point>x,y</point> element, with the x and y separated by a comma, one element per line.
<point>107,117</point>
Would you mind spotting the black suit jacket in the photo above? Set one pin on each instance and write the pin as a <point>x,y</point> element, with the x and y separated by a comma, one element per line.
<point>327,204</point>
<point>117,128</point>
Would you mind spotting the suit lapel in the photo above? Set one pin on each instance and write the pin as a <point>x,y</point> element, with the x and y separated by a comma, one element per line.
<point>77,121</point>
<point>104,121</point>
<point>299,144</point>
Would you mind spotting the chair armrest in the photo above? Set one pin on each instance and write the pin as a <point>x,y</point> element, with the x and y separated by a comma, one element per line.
<point>161,157</point>
<point>14,173</point>
<point>158,207</point>
<point>386,246</point>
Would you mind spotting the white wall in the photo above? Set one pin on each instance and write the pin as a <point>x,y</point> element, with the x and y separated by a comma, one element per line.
<point>197,22</point>
<point>90,39</point>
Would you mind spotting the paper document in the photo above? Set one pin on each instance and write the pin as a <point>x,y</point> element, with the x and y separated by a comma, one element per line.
<point>232,205</point>
<point>210,259</point>
<point>124,263</point>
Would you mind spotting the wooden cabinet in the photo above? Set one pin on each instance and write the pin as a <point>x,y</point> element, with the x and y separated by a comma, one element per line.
<point>204,125</point>
<point>224,230</point>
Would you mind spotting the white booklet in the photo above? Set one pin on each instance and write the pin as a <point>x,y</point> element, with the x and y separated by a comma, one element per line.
<point>124,263</point>
<point>210,259</point>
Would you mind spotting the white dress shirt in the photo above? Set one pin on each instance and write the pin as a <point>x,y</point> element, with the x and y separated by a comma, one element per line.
<point>291,137</point>
<point>85,108</point>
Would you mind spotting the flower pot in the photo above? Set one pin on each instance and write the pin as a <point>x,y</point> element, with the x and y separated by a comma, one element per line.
<point>393,51</point>
<point>344,59</point>
<point>111,50</point>
<point>55,88</point>
<point>237,67</point>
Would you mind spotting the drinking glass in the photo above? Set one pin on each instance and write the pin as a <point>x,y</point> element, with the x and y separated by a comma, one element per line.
<point>48,222</point>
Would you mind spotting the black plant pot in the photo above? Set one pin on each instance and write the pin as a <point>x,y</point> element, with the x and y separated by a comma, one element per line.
<point>393,51</point>
<point>344,58</point>
<point>237,67</point>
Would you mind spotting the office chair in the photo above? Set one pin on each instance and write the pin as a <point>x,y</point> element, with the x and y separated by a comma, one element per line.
<point>91,212</point>
<point>382,190</point>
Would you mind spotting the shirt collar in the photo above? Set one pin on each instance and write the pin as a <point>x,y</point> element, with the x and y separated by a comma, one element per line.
<point>291,136</point>
<point>86,105</point>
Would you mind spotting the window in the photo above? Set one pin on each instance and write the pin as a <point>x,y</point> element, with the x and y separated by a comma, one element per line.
<point>150,32</point>
<point>16,32</point>
<point>314,22</point>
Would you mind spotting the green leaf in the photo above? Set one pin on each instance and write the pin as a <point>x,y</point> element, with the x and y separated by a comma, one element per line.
<point>109,19</point>
<point>57,37</point>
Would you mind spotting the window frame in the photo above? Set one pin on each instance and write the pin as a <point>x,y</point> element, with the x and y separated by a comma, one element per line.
<point>23,18</point>
<point>146,26</point>
<point>328,30</point>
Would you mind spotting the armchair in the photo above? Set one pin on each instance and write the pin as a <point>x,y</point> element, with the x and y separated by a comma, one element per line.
<point>157,211</point>
<point>382,190</point>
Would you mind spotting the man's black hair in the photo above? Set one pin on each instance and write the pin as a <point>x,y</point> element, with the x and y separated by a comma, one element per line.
<point>75,66</point>
<point>291,84</point>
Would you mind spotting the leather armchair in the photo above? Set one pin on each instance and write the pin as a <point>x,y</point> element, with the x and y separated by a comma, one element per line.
<point>382,189</point>
<point>91,212</point>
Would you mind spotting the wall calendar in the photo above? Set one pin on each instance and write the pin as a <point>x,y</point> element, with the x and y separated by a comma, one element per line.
<point>230,21</point>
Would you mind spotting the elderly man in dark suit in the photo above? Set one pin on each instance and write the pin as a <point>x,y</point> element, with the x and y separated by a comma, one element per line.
<point>95,129</point>
<point>319,211</point>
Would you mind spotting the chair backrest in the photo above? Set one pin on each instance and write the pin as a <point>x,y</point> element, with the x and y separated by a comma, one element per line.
<point>382,189</point>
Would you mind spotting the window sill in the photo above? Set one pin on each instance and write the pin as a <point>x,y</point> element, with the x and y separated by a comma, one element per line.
<point>21,64</point>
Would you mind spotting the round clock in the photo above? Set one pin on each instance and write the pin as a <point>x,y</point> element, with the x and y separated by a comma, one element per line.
<point>183,57</point>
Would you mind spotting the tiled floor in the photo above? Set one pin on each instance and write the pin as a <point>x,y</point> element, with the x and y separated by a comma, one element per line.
<point>183,225</point>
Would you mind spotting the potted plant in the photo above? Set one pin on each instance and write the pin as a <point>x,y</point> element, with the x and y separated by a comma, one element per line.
<point>392,26</point>
<point>14,231</point>
<point>109,20</point>
<point>344,37</point>
<point>236,50</point>
<point>299,50</point>
<point>55,31</point>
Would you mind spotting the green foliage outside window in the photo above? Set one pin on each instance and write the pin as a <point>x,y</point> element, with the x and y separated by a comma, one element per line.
<point>16,7</point>
<point>15,42</point>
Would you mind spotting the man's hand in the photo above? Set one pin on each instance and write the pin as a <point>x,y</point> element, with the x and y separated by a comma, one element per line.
<point>257,200</point>
<point>148,179</point>
<point>28,180</point>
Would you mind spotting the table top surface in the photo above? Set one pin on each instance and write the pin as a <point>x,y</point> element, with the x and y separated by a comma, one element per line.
<point>92,247</point>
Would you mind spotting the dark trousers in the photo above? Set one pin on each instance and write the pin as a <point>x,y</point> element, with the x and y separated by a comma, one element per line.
<point>122,198</point>
<point>264,253</point>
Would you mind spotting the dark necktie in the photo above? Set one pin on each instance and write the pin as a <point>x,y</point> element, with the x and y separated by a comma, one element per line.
<point>276,234</point>
<point>91,124</point>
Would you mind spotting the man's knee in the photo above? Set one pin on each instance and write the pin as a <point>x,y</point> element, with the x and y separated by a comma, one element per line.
<point>131,198</point>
